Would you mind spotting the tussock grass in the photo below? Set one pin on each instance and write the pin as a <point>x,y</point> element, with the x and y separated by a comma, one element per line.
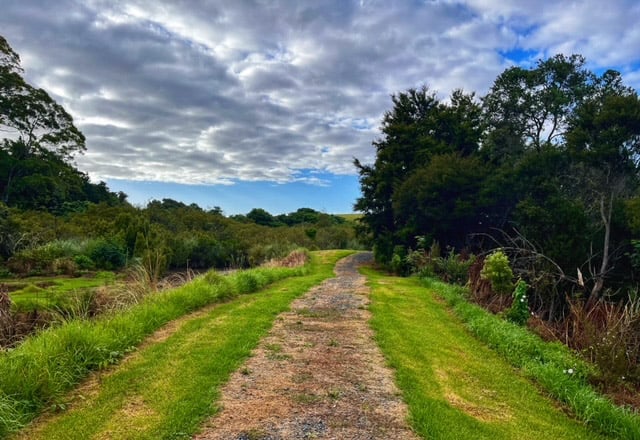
<point>38,372</point>
<point>552,365</point>
<point>455,386</point>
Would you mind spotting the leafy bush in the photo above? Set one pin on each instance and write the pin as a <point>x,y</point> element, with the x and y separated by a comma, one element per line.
<point>107,254</point>
<point>519,311</point>
<point>83,262</point>
<point>497,271</point>
<point>453,268</point>
<point>398,263</point>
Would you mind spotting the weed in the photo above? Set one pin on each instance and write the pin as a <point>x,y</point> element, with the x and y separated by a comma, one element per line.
<point>307,398</point>
<point>334,393</point>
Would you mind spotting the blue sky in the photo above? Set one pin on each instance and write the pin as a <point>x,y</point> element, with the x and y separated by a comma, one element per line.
<point>244,104</point>
<point>336,197</point>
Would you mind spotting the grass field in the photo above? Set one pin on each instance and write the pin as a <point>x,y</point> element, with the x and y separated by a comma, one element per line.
<point>455,386</point>
<point>170,385</point>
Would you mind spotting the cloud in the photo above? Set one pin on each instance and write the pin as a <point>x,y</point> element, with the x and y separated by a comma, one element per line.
<point>219,92</point>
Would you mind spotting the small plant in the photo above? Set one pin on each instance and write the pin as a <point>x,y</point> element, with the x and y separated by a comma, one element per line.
<point>497,271</point>
<point>399,264</point>
<point>519,311</point>
<point>83,262</point>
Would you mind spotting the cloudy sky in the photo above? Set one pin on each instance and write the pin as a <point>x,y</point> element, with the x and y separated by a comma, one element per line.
<point>256,103</point>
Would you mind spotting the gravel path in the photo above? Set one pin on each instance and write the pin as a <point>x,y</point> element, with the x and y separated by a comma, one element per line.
<point>317,375</point>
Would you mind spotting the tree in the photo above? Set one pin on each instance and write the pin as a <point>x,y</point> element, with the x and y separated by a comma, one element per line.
<point>33,123</point>
<point>261,217</point>
<point>441,200</point>
<point>604,142</point>
<point>417,129</point>
<point>528,108</point>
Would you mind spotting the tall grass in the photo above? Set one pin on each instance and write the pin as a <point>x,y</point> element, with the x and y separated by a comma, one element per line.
<point>552,365</point>
<point>39,371</point>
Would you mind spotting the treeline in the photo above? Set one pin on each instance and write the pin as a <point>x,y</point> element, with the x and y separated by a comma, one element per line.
<point>103,236</point>
<point>544,166</point>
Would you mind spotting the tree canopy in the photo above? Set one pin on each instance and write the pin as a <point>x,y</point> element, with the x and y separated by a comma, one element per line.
<point>549,157</point>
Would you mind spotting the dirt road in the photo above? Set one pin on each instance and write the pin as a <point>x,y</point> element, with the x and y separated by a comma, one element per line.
<point>318,374</point>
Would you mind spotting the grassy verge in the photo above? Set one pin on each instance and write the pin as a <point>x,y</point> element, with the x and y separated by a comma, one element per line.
<point>455,386</point>
<point>552,365</point>
<point>39,372</point>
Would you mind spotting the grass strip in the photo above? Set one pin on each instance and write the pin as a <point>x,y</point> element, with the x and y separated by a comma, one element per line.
<point>455,386</point>
<point>38,373</point>
<point>166,389</point>
<point>552,365</point>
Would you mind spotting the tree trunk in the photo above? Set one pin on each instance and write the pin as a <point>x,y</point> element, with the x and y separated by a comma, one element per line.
<point>605,213</point>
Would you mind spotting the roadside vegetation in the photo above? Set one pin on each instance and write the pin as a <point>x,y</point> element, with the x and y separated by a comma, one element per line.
<point>455,386</point>
<point>37,374</point>
<point>544,170</point>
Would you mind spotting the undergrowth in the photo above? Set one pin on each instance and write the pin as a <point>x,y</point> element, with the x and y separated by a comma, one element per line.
<point>552,365</point>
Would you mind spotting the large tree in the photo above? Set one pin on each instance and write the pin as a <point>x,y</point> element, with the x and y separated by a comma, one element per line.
<point>550,159</point>
<point>32,124</point>
<point>419,128</point>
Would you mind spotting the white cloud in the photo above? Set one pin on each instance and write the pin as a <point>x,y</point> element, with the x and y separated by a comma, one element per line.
<point>213,92</point>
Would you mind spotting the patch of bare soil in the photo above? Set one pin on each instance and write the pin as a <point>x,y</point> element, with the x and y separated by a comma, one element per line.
<point>318,374</point>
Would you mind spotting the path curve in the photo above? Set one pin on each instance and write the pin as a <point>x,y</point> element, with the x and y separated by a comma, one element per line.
<point>318,373</point>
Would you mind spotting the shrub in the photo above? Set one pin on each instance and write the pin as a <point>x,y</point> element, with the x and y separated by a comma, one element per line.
<point>65,266</point>
<point>399,264</point>
<point>453,268</point>
<point>519,311</point>
<point>106,254</point>
<point>497,271</point>
<point>84,263</point>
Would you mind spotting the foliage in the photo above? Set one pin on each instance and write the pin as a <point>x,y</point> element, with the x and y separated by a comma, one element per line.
<point>546,160</point>
<point>497,271</point>
<point>454,268</point>
<point>106,254</point>
<point>38,144</point>
<point>519,311</point>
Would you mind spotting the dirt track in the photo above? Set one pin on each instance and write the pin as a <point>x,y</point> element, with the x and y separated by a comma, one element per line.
<point>318,374</point>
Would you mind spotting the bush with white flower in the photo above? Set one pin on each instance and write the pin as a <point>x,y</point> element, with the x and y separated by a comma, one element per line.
<point>519,311</point>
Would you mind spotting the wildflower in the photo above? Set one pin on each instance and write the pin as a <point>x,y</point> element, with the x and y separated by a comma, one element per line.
<point>570,371</point>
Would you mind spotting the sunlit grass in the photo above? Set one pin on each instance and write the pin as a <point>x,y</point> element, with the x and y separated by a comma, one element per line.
<point>455,386</point>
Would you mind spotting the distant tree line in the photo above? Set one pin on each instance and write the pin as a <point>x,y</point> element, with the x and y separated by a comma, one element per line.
<point>545,165</point>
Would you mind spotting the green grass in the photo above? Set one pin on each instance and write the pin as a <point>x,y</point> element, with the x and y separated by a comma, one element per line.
<point>52,292</point>
<point>39,372</point>
<point>455,386</point>
<point>546,363</point>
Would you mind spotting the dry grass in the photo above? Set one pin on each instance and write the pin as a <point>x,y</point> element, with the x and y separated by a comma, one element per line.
<point>296,258</point>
